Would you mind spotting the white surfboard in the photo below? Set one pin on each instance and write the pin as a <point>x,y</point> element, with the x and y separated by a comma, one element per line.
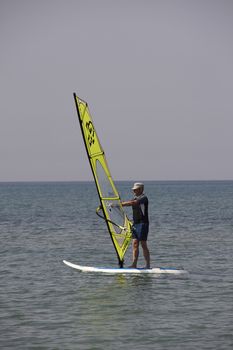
<point>154,270</point>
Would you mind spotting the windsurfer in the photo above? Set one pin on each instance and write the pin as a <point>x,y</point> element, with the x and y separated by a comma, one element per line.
<point>140,229</point>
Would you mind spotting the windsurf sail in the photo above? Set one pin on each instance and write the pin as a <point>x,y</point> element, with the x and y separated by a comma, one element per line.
<point>119,226</point>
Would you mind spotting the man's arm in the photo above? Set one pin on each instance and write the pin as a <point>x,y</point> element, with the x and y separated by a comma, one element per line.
<point>129,203</point>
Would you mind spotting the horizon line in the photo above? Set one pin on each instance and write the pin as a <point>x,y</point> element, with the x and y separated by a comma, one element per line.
<point>130,180</point>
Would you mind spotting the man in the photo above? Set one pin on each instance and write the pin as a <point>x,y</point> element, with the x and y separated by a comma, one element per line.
<point>140,230</point>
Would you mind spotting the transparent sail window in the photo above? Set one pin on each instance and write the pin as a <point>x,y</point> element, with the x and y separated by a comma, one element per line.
<point>104,182</point>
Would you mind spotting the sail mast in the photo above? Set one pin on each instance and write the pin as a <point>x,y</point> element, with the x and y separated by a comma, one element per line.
<point>118,224</point>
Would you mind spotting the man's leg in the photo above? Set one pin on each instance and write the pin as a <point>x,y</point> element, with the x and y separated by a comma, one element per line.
<point>135,253</point>
<point>146,253</point>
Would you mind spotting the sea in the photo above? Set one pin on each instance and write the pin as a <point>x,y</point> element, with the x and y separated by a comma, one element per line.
<point>45,304</point>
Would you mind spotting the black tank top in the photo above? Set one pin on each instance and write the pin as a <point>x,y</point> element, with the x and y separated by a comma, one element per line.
<point>140,210</point>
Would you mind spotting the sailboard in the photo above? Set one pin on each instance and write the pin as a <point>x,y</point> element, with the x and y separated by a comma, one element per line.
<point>109,270</point>
<point>110,209</point>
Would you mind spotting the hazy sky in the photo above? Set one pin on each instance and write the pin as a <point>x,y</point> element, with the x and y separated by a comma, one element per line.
<point>158,77</point>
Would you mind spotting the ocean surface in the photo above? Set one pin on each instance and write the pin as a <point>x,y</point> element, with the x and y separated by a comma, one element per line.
<point>45,304</point>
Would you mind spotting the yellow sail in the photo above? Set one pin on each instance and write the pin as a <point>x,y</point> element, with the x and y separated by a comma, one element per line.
<point>118,224</point>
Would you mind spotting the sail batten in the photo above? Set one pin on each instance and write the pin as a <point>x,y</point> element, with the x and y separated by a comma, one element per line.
<point>119,226</point>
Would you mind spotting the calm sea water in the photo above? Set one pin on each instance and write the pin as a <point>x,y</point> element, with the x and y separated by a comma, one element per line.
<point>47,305</point>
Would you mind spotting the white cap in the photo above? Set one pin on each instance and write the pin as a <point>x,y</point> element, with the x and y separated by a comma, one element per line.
<point>137,185</point>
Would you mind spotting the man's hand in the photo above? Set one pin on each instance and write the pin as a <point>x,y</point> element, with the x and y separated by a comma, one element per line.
<point>114,205</point>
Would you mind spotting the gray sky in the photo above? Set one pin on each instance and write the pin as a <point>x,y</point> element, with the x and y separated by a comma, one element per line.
<point>158,77</point>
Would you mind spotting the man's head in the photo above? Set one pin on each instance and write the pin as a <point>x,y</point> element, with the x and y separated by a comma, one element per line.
<point>138,188</point>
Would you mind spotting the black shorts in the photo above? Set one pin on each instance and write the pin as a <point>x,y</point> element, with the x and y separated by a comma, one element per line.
<point>140,231</point>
